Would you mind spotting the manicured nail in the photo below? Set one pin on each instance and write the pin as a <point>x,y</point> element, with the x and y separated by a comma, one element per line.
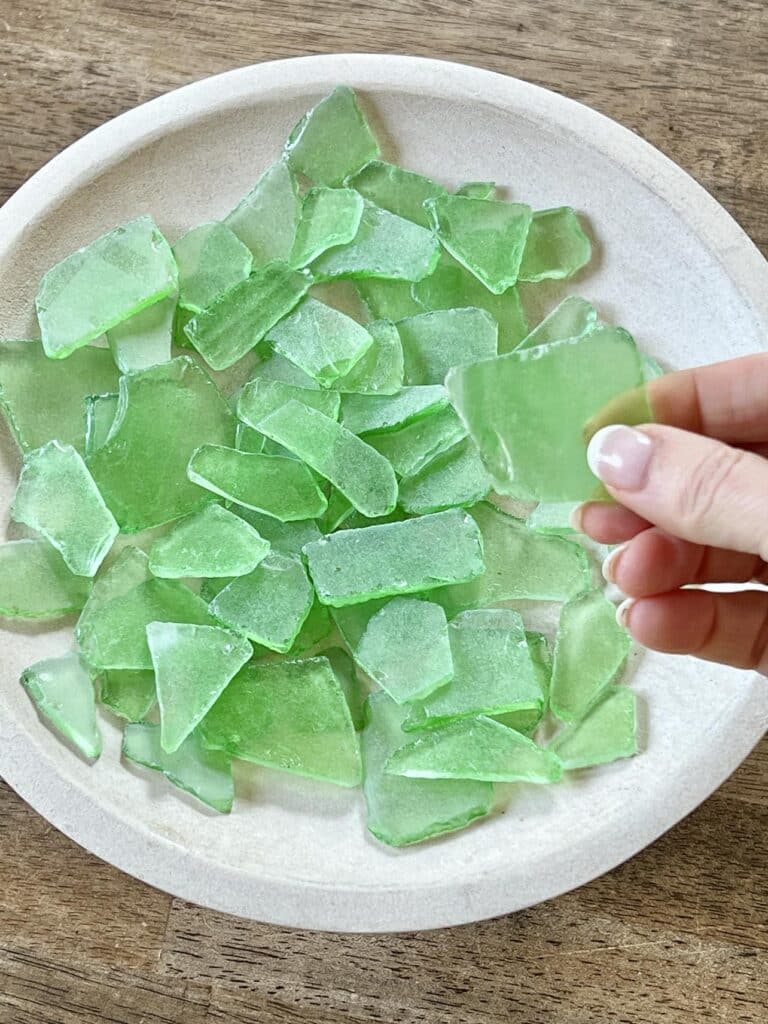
<point>611,561</point>
<point>575,519</point>
<point>620,457</point>
<point>622,612</point>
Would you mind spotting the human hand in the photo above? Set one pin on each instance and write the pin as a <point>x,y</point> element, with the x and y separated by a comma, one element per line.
<point>692,489</point>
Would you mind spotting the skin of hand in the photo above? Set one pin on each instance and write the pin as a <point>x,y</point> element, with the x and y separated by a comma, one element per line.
<point>692,493</point>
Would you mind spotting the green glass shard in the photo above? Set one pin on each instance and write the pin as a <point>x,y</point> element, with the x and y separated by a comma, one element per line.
<point>652,368</point>
<point>144,339</point>
<point>289,715</point>
<point>338,511</point>
<point>477,189</point>
<point>100,412</point>
<point>455,478</point>
<point>35,582</point>
<point>102,284</point>
<point>353,566</point>
<point>397,190</point>
<point>131,695</point>
<point>556,246</point>
<point>352,620</point>
<point>287,538</point>
<point>404,811</point>
<point>236,321</point>
<point>59,389</point>
<point>526,410</point>
<point>487,236</point>
<point>164,414</point>
<point>554,517</point>
<point>180,320</point>
<point>317,627</point>
<point>278,486</point>
<point>572,318</point>
<point>56,497</point>
<point>363,476</point>
<point>265,219</point>
<point>608,732</point>
<point>262,396</point>
<point>277,367</point>
<point>380,370</point>
<point>333,140</point>
<point>329,217</point>
<point>434,342</point>
<point>249,440</point>
<point>365,414</point>
<point>210,543</point>
<point>111,630</point>
<point>476,748</point>
<point>590,649</point>
<point>354,691</point>
<point>527,720</point>
<point>62,690</point>
<point>211,259</point>
<point>388,300</point>
<point>206,774</point>
<point>412,448</point>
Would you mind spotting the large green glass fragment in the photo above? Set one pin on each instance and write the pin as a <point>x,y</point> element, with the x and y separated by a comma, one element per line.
<point>62,690</point>
<point>556,246</point>
<point>262,396</point>
<point>572,318</point>
<point>211,259</point>
<point>366,414</point>
<point>434,342</point>
<point>329,217</point>
<point>265,219</point>
<point>389,300</point>
<point>287,538</point>
<point>380,370</point>
<point>415,446</point>
<point>397,190</point>
<point>606,733</point>
<point>454,478</point>
<point>35,582</point>
<point>100,412</point>
<point>527,720</point>
<point>289,715</point>
<point>130,695</point>
<point>144,339</point>
<point>211,543</point>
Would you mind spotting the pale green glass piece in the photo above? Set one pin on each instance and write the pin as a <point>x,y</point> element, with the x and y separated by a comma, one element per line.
<point>164,414</point>
<point>56,497</point>
<point>527,720</point>
<point>59,390</point>
<point>590,649</point>
<point>556,246</point>
<point>210,543</point>
<point>338,512</point>
<point>329,217</point>
<point>277,367</point>
<point>352,620</point>
<point>236,321</point>
<point>354,691</point>
<point>366,414</point>
<point>487,236</point>
<point>287,538</point>
<point>404,811</point>
<point>211,259</point>
<point>333,140</point>
<point>411,449</point>
<point>130,695</point>
<point>317,627</point>
<point>397,190</point>
<point>353,566</point>
<point>320,340</point>
<point>380,370</point>
<point>476,748</point>
<point>652,368</point>
<point>105,282</point>
<point>111,630</point>
<point>554,517</point>
<point>265,219</point>
<point>388,300</point>
<point>206,774</point>
<point>262,396</point>
<point>62,690</point>
<point>249,440</point>
<point>269,605</point>
<point>144,339</point>
<point>526,410</point>
<point>572,318</point>
<point>455,478</point>
<point>434,342</point>
<point>477,189</point>
<point>100,412</point>
<point>385,246</point>
<point>35,582</point>
<point>289,715</point>
<point>451,286</point>
<point>278,486</point>
<point>405,649</point>
<point>607,733</point>
<point>363,476</point>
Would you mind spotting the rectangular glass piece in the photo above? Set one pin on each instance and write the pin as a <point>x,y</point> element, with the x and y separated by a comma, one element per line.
<point>329,217</point>
<point>397,190</point>
<point>572,318</point>
<point>211,259</point>
<point>606,733</point>
<point>130,695</point>
<point>209,544</point>
<point>389,300</point>
<point>35,582</point>
<point>100,412</point>
<point>62,690</point>
<point>366,414</point>
<point>556,246</point>
<point>265,219</point>
<point>434,342</point>
<point>144,339</point>
<point>353,566</point>
<point>261,396</point>
<point>380,370</point>
<point>414,447</point>
<point>454,478</point>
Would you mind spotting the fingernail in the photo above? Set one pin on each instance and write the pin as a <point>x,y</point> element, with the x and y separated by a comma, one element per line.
<point>575,519</point>
<point>620,457</point>
<point>622,612</point>
<point>611,561</point>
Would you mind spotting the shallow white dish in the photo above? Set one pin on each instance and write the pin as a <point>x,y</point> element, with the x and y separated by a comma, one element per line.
<point>672,266</point>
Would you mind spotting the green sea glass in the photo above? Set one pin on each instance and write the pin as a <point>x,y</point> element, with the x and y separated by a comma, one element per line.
<point>434,342</point>
<point>317,628</point>
<point>289,715</point>
<point>35,582</point>
<point>477,189</point>
<point>210,543</point>
<point>211,259</point>
<point>572,318</point>
<point>554,517</point>
<point>265,219</point>
<point>338,512</point>
<point>62,690</point>
<point>389,300</point>
<point>100,412</point>
<point>329,217</point>
<point>556,246</point>
<point>414,447</point>
<point>144,339</point>
<point>652,368</point>
<point>287,538</point>
<point>261,396</point>
<point>354,691</point>
<point>249,440</point>
<point>365,414</point>
<point>130,695</point>
<point>276,367</point>
<point>397,190</point>
<point>102,284</point>
<point>455,478</point>
<point>527,720</point>
<point>607,733</point>
<point>380,370</point>
<point>353,566</point>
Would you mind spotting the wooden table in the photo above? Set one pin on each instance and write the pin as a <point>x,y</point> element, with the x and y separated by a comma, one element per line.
<point>680,933</point>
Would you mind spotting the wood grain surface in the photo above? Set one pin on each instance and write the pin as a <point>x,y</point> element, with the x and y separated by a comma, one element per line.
<point>677,935</point>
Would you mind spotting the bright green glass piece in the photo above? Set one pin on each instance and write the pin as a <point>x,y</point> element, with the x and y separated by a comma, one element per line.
<point>333,140</point>
<point>164,414</point>
<point>353,566</point>
<point>59,391</point>
<point>457,477</point>
<point>363,476</point>
<point>352,620</point>
<point>434,342</point>
<point>354,692</point>
<point>652,368</point>
<point>289,715</point>
<point>102,284</point>
<point>269,605</point>
<point>111,630</point>
<point>590,649</point>
<point>487,236</point>
<point>144,339</point>
<point>211,543</point>
<point>404,811</point>
<point>62,690</point>
<point>367,414</point>
<point>329,217</point>
<point>277,367</point>
<point>572,318</point>
<point>100,412</point>
<point>397,190</point>
<point>411,449</point>
<point>526,410</point>
<point>236,321</point>
<point>477,189</point>
<point>249,440</point>
<point>476,748</point>
<point>338,512</point>
<point>405,649</point>
<point>180,320</point>
<point>287,538</point>
<point>130,695</point>
<point>35,582</point>
<point>553,517</point>
<point>380,370</point>
<point>265,219</point>
<point>262,396</point>
<point>278,486</point>
<point>607,733</point>
<point>56,497</point>
<point>556,246</point>
<point>527,720</point>
<point>211,259</point>
<point>317,627</point>
<point>206,774</point>
<point>388,300</point>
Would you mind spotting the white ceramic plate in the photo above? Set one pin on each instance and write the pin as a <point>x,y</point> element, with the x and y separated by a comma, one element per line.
<point>672,266</point>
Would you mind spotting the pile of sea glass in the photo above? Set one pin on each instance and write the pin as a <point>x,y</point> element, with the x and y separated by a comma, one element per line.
<point>311,569</point>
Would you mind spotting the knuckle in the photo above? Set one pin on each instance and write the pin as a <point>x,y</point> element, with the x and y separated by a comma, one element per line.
<point>710,484</point>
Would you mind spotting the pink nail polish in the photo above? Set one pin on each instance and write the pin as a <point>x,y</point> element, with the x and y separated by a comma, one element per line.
<point>620,457</point>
